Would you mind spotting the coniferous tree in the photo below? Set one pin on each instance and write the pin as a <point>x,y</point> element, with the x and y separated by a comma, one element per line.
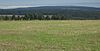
<point>13,17</point>
<point>6,18</point>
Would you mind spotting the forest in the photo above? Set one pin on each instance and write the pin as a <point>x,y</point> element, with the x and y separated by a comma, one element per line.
<point>52,13</point>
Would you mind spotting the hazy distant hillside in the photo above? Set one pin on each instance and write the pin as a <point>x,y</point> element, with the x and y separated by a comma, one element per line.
<point>62,8</point>
<point>71,12</point>
<point>47,9</point>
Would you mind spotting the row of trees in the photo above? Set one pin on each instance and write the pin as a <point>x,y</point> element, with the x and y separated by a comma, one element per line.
<point>58,16</point>
<point>34,17</point>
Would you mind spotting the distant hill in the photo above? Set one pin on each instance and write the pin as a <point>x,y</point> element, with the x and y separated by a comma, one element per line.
<point>50,9</point>
<point>61,8</point>
<point>71,12</point>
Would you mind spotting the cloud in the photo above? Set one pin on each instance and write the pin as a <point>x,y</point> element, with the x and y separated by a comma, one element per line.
<point>90,4</point>
<point>10,7</point>
<point>28,3</point>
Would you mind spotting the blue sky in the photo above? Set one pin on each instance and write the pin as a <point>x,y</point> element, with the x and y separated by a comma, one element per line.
<point>30,3</point>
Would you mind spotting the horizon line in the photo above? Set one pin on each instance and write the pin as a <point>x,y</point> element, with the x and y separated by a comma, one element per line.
<point>14,7</point>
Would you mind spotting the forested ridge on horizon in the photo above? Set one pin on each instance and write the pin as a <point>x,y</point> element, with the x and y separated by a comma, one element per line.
<point>54,13</point>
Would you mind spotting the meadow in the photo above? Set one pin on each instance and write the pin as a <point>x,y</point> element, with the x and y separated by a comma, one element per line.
<point>66,35</point>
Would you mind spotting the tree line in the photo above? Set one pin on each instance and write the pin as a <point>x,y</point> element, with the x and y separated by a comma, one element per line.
<point>33,17</point>
<point>52,14</point>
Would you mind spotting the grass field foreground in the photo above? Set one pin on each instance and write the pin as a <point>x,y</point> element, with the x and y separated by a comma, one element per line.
<point>70,35</point>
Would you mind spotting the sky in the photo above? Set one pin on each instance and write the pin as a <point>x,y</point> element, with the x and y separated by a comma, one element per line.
<point>34,3</point>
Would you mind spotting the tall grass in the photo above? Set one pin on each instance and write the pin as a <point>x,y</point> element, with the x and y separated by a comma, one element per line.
<point>70,35</point>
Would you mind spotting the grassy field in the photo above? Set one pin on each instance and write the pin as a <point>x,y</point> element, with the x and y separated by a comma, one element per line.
<point>75,35</point>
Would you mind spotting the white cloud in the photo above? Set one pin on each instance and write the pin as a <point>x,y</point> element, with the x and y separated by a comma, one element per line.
<point>10,7</point>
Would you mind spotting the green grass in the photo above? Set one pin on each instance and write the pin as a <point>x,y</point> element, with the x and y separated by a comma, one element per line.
<point>71,35</point>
